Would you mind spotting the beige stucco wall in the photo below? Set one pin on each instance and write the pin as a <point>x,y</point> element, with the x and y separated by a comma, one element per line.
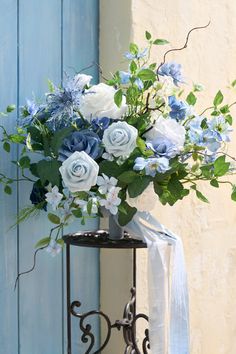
<point>208,231</point>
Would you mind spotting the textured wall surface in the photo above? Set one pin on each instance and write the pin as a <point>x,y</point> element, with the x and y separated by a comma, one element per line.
<point>207,230</point>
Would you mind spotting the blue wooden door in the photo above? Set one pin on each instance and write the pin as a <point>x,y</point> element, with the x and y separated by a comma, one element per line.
<point>40,40</point>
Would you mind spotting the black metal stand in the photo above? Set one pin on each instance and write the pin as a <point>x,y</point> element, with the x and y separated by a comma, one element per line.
<point>99,239</point>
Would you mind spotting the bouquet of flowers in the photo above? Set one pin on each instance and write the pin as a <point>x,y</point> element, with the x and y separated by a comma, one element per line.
<point>113,145</point>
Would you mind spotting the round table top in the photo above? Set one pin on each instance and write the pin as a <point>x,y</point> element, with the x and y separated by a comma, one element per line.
<point>100,239</point>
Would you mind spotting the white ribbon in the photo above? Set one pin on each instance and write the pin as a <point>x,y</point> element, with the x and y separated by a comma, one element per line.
<point>167,280</point>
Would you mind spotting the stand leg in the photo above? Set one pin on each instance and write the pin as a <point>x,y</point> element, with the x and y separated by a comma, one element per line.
<point>68,299</point>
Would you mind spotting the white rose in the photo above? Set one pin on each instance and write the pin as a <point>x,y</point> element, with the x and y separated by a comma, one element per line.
<point>82,80</point>
<point>98,102</point>
<point>167,129</point>
<point>120,139</point>
<point>145,201</point>
<point>79,172</point>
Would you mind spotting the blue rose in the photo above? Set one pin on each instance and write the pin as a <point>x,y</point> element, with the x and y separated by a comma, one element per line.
<point>84,140</point>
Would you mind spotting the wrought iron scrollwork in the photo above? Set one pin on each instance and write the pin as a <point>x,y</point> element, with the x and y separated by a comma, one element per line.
<point>127,324</point>
<point>87,334</point>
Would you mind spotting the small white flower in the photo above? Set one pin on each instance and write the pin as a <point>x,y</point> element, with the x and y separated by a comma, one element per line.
<point>54,197</point>
<point>112,200</point>
<point>53,248</point>
<point>105,183</point>
<point>83,204</point>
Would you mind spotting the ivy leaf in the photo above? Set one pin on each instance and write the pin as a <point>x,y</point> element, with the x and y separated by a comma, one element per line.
<point>48,171</point>
<point>77,213</point>
<point>118,97</point>
<point>220,166</point>
<point>218,99</point>
<point>191,99</point>
<point>10,108</point>
<point>24,162</point>
<point>138,186</point>
<point>147,75</point>
<point>133,67</point>
<point>8,190</point>
<point>148,35</point>
<point>126,213</point>
<point>160,41</point>
<point>233,195</point>
<point>133,48</point>
<point>54,218</point>
<point>201,197</point>
<point>175,187</point>
<point>6,146</point>
<point>127,177</point>
<point>43,242</point>
<point>214,183</point>
<point>229,119</point>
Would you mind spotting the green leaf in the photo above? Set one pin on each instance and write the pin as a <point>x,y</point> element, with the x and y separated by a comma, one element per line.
<point>118,97</point>
<point>214,183</point>
<point>133,48</point>
<point>147,75</point>
<point>77,213</point>
<point>138,186</point>
<point>233,195</point>
<point>148,35</point>
<point>207,171</point>
<point>110,168</point>
<point>220,166</point>
<point>58,138</point>
<point>218,99</point>
<point>141,144</point>
<point>160,41</point>
<point>191,99</point>
<point>133,67</point>
<point>48,171</point>
<point>89,206</point>
<point>24,162</point>
<point>54,218</point>
<point>10,108</point>
<point>60,242</point>
<point>224,109</point>
<point>127,177</point>
<point>6,146</point>
<point>233,84</point>
<point>201,196</point>
<point>125,216</point>
<point>18,139</point>
<point>50,86</point>
<point>7,189</point>
<point>229,119</point>
<point>175,187</point>
<point>43,242</point>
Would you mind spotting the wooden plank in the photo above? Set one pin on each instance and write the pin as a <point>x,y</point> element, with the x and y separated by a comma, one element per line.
<point>8,205</point>
<point>41,291</point>
<point>80,44</point>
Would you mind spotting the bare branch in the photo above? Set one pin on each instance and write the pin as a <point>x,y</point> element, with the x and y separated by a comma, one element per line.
<point>184,46</point>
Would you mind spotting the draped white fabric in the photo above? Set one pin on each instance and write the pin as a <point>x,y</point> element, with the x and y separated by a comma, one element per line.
<point>167,281</point>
